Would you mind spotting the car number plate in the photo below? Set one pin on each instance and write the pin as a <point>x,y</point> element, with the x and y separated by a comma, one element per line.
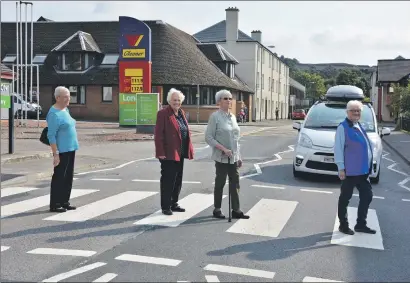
<point>329,159</point>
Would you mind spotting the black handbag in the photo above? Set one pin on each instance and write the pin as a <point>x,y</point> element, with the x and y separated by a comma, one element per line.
<point>43,136</point>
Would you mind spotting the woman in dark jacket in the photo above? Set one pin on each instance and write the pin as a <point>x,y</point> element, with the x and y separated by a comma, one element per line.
<point>172,145</point>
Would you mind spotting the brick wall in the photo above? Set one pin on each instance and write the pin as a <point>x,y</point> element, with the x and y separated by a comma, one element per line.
<point>93,109</point>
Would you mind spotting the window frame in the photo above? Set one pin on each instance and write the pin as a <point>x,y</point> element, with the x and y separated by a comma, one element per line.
<point>102,93</point>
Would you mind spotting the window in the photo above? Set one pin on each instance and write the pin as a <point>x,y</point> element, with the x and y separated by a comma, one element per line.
<point>107,93</point>
<point>263,81</point>
<point>205,96</point>
<point>9,59</point>
<point>269,84</point>
<point>329,115</point>
<point>258,53</point>
<point>232,71</point>
<point>74,61</point>
<point>77,94</point>
<point>110,59</point>
<point>257,80</point>
<point>39,59</point>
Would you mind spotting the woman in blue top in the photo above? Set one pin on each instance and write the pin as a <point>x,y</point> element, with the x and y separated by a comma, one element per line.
<point>62,136</point>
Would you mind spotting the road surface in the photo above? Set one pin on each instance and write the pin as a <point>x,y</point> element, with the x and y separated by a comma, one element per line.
<point>118,234</point>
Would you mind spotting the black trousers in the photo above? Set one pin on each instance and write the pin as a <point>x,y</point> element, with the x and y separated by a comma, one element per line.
<point>222,171</point>
<point>365,194</point>
<point>62,180</point>
<point>171,182</point>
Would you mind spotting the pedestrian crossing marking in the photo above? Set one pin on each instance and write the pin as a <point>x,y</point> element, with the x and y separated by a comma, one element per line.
<point>211,278</point>
<point>316,279</point>
<point>362,240</point>
<point>149,259</point>
<point>52,251</point>
<point>107,277</point>
<point>4,248</point>
<point>15,191</point>
<point>101,207</point>
<point>35,203</point>
<point>267,218</point>
<point>193,203</point>
<point>74,272</point>
<point>240,271</point>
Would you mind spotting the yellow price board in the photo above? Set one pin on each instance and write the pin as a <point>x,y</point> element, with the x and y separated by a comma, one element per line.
<point>136,88</point>
<point>136,80</point>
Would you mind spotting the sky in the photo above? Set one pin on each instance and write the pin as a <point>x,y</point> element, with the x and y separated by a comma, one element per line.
<point>354,32</point>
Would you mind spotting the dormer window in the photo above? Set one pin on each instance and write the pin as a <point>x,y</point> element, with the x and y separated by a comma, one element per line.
<point>9,59</point>
<point>74,61</point>
<point>232,71</point>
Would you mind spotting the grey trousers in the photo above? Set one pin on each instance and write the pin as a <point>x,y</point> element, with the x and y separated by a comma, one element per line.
<point>222,171</point>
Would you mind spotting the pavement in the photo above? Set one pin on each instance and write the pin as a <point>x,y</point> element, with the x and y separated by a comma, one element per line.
<point>118,234</point>
<point>399,142</point>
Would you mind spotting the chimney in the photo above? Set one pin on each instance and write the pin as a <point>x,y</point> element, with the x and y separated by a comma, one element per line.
<point>257,35</point>
<point>232,24</point>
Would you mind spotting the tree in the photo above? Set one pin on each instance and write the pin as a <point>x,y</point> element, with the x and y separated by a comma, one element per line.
<point>314,83</point>
<point>400,99</point>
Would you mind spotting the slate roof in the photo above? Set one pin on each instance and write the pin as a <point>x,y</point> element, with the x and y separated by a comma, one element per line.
<point>217,32</point>
<point>5,69</point>
<point>217,53</point>
<point>176,58</point>
<point>392,70</point>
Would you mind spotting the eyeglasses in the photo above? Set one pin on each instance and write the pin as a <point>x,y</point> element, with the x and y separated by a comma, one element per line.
<point>227,98</point>
<point>355,110</point>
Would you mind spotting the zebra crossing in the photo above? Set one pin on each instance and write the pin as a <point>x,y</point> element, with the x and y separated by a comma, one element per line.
<point>269,217</point>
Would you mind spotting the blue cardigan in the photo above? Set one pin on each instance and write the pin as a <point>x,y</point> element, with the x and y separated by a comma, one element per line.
<point>61,130</point>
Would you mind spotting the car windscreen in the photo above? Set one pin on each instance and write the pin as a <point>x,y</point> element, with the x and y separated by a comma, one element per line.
<point>327,115</point>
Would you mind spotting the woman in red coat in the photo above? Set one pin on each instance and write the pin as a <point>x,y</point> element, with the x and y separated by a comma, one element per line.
<point>172,145</point>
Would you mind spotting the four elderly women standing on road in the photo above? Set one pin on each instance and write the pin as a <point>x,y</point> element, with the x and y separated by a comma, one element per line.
<point>172,145</point>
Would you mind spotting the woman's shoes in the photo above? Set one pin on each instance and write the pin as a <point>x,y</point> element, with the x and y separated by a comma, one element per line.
<point>235,215</point>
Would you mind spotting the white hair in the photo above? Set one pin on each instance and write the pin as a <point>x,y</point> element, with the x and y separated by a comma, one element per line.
<point>221,94</point>
<point>354,104</point>
<point>60,90</point>
<point>172,91</point>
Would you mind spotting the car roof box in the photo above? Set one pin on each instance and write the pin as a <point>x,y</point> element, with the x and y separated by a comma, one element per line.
<point>344,93</point>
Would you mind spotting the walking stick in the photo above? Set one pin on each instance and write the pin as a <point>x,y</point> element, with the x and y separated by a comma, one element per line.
<point>229,192</point>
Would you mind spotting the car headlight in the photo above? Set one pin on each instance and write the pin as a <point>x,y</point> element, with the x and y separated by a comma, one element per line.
<point>305,141</point>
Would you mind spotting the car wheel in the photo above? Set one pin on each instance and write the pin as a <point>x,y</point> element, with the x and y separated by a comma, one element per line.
<point>296,174</point>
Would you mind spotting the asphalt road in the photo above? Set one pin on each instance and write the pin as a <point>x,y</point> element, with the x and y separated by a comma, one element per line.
<point>116,234</point>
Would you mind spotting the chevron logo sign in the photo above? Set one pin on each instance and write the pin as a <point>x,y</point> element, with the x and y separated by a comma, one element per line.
<point>134,40</point>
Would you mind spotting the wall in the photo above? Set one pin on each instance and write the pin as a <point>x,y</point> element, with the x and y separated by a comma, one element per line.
<point>93,109</point>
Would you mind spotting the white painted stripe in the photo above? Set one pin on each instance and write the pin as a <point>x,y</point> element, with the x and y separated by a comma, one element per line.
<point>356,195</point>
<point>316,191</point>
<point>34,203</point>
<point>4,248</point>
<point>193,203</point>
<point>211,278</point>
<point>405,199</point>
<point>51,251</point>
<point>71,273</point>
<point>240,271</point>
<point>102,179</point>
<point>317,279</point>
<point>269,187</point>
<point>149,259</point>
<point>117,167</point>
<point>15,191</point>
<point>157,181</point>
<point>106,277</point>
<point>100,207</point>
<point>75,179</point>
<point>362,240</point>
<point>267,218</point>
<point>258,168</point>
